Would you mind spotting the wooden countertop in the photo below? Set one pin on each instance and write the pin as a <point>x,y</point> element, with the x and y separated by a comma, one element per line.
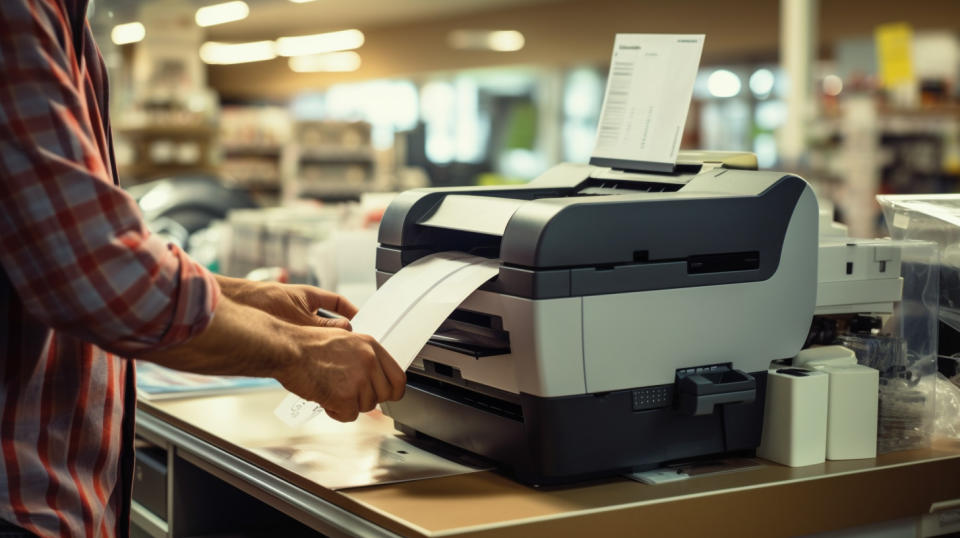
<point>781,500</point>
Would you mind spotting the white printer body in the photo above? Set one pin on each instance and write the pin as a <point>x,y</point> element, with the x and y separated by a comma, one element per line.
<point>632,321</point>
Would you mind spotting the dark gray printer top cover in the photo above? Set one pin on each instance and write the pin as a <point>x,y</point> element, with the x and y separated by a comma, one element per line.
<point>560,244</point>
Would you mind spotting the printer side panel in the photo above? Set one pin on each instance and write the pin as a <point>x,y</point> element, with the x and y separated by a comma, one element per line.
<point>641,339</point>
<point>546,344</point>
<point>546,347</point>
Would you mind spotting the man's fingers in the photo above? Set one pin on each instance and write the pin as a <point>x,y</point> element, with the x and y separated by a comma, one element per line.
<point>343,415</point>
<point>345,308</point>
<point>334,323</point>
<point>327,300</point>
<point>366,399</point>
<point>381,386</point>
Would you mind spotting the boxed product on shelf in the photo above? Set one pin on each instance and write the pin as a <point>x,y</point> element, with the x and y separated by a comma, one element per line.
<point>324,245</point>
<point>327,133</point>
<point>330,160</point>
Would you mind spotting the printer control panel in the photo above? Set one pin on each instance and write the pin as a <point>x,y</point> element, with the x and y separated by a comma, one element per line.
<point>652,397</point>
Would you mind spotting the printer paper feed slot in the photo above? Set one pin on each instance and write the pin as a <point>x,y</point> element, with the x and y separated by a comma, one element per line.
<point>469,343</point>
<point>472,333</point>
<point>602,187</point>
<point>462,395</point>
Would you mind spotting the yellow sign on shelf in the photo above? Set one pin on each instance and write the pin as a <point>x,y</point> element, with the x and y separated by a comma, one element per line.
<point>894,43</point>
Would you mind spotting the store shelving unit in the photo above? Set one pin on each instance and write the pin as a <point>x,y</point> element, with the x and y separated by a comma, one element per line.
<point>864,148</point>
<point>160,149</point>
<point>253,144</point>
<point>329,160</point>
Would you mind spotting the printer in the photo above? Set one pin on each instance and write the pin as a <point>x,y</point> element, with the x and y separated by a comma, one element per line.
<point>632,320</point>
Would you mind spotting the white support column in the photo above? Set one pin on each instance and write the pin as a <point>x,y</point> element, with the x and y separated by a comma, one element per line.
<point>798,20</point>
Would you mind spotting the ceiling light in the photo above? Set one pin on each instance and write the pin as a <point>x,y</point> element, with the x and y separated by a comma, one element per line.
<point>131,32</point>
<point>331,61</point>
<point>723,83</point>
<point>213,52</point>
<point>319,43</point>
<point>222,13</point>
<point>496,40</point>
<point>761,82</point>
<point>505,41</point>
<point>832,85</point>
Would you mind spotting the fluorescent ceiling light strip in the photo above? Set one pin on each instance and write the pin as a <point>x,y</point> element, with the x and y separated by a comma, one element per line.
<point>222,13</point>
<point>131,32</point>
<point>330,62</point>
<point>216,53</point>
<point>320,43</point>
<point>495,40</point>
<point>505,40</point>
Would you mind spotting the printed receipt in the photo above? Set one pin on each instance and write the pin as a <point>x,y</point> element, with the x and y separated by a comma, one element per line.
<point>647,99</point>
<point>405,312</point>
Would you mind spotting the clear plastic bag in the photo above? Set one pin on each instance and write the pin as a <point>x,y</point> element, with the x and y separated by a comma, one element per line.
<point>905,353</point>
<point>947,421</point>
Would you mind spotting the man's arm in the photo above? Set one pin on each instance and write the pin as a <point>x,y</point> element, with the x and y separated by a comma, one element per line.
<point>81,260</point>
<point>346,373</point>
<point>74,245</point>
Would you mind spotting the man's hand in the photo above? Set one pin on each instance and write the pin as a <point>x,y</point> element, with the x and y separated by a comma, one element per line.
<point>346,373</point>
<point>293,303</point>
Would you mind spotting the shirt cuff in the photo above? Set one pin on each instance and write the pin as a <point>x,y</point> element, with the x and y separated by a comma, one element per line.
<point>196,300</point>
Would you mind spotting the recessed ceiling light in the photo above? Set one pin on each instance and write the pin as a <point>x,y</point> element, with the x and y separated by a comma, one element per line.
<point>320,43</point>
<point>495,40</point>
<point>723,83</point>
<point>216,53</point>
<point>131,32</point>
<point>222,13</point>
<point>331,61</point>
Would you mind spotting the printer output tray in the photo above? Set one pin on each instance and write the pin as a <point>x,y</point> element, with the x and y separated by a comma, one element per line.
<point>571,438</point>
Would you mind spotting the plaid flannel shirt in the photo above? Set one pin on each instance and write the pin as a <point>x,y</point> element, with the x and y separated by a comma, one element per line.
<point>82,282</point>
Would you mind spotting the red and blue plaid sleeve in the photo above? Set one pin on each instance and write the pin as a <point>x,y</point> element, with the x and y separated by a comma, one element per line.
<point>73,244</point>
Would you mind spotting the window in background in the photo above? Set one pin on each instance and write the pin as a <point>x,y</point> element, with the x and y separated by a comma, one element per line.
<point>519,158</point>
<point>582,100</point>
<point>472,129</point>
<point>514,103</point>
<point>438,100</point>
<point>740,108</point>
<point>769,112</point>
<point>388,106</point>
<point>486,125</point>
<point>483,126</point>
<point>768,116</point>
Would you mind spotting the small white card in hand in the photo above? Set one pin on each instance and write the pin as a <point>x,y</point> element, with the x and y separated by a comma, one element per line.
<point>405,312</point>
<point>294,410</point>
<point>648,95</point>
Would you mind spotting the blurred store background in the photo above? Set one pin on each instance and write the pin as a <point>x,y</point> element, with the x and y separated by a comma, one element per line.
<point>270,133</point>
